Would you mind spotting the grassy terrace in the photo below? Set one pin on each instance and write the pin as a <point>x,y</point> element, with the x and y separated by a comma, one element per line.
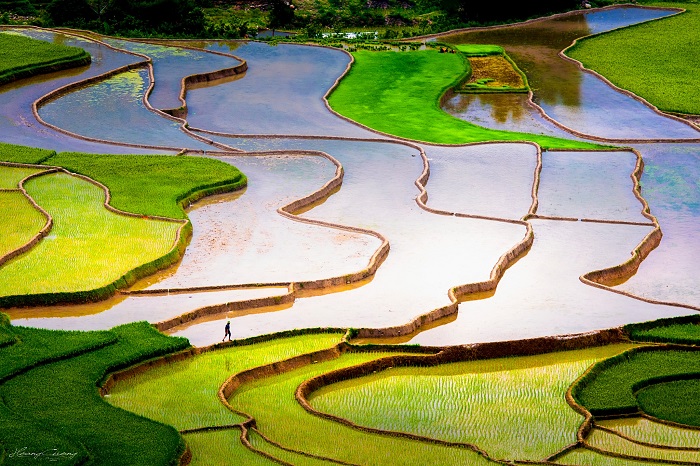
<point>491,70</point>
<point>23,154</point>
<point>685,408</point>
<point>612,443</point>
<point>612,384</point>
<point>80,257</point>
<point>22,56</point>
<point>647,378</point>
<point>50,402</point>
<point>189,398</point>
<point>647,431</point>
<point>399,92</point>
<point>326,438</point>
<point>513,408</point>
<point>84,267</point>
<point>208,449</point>
<point>655,60</point>
<point>19,221</point>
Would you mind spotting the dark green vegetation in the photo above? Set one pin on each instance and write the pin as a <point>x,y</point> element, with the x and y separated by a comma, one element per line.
<point>610,387</point>
<point>677,401</point>
<point>685,330</point>
<point>24,154</point>
<point>235,18</point>
<point>51,405</point>
<point>655,60</point>
<point>399,93</point>
<point>21,57</point>
<point>659,380</point>
<point>157,185</point>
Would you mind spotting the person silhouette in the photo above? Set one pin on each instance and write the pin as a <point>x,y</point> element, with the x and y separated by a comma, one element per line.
<point>227,331</point>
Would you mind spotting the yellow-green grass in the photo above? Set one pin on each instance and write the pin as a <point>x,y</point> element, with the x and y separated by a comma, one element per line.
<point>583,457</point>
<point>610,387</point>
<point>284,421</point>
<point>612,443</point>
<point>399,93</point>
<point>11,176</point>
<point>19,221</point>
<point>290,457</point>
<point>647,431</point>
<point>153,184</point>
<point>657,60</point>
<point>221,448</point>
<point>513,408</point>
<point>89,247</point>
<point>23,154</point>
<point>184,393</point>
<point>21,56</point>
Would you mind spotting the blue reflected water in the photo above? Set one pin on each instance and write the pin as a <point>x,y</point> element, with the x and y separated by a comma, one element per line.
<point>281,93</point>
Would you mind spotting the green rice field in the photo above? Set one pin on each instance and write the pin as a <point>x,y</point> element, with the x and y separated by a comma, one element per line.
<point>71,418</point>
<point>513,408</point>
<point>326,438</point>
<point>222,447</point>
<point>23,154</point>
<point>610,387</point>
<point>155,184</point>
<point>645,430</point>
<point>399,92</point>
<point>676,401</point>
<point>10,177</point>
<point>614,444</point>
<point>80,257</point>
<point>54,395</point>
<point>21,56</point>
<point>649,60</point>
<point>189,398</point>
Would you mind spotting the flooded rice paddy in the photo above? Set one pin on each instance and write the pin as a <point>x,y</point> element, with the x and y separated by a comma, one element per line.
<point>480,199</point>
<point>571,97</point>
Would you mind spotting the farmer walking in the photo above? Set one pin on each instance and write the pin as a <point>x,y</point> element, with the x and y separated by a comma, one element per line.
<point>227,331</point>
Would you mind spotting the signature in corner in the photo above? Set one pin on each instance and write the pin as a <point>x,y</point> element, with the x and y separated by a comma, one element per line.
<point>51,454</point>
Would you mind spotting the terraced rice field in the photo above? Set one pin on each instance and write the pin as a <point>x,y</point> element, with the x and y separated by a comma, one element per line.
<point>81,258</point>
<point>19,219</point>
<point>396,294</point>
<point>512,408</point>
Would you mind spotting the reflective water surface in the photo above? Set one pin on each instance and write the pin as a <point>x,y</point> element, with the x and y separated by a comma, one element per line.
<point>574,98</point>
<point>17,122</point>
<point>240,238</point>
<point>670,185</point>
<point>114,110</point>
